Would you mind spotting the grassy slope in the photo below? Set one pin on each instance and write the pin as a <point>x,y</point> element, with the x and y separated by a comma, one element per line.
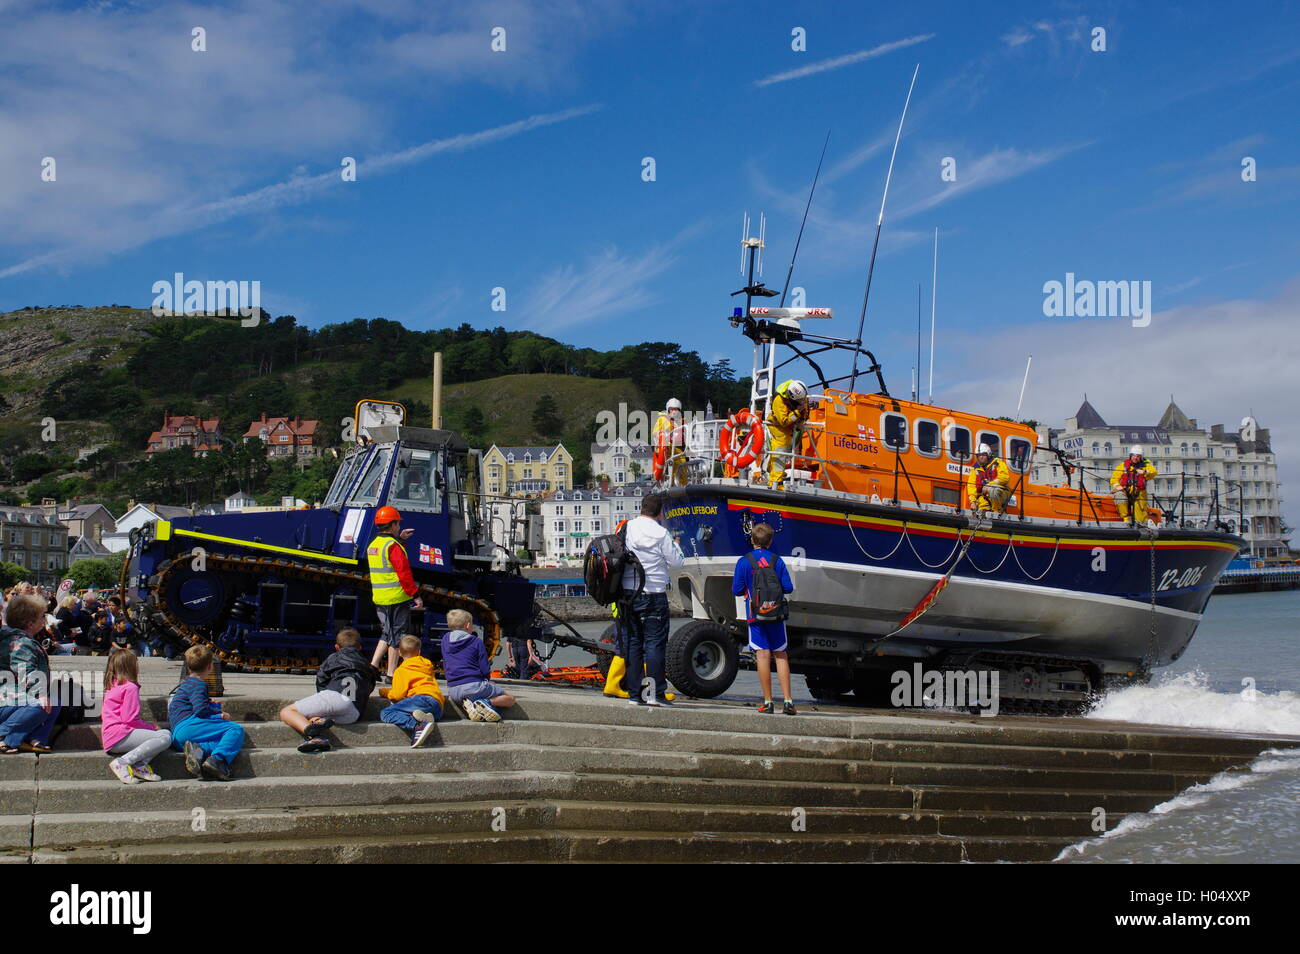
<point>508,402</point>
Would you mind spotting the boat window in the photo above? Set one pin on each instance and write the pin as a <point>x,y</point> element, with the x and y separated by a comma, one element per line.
<point>1019,454</point>
<point>372,482</point>
<point>347,472</point>
<point>927,438</point>
<point>895,431</point>
<point>958,443</point>
<point>416,481</point>
<point>993,440</point>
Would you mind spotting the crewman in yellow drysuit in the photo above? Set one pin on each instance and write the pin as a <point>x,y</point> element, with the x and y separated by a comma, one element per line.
<point>1129,484</point>
<point>784,423</point>
<point>988,485</point>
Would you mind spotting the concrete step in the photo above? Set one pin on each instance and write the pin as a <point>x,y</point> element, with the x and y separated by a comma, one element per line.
<point>382,761</point>
<point>613,846</point>
<point>138,828</point>
<point>67,797</point>
<point>579,706</point>
<point>634,789</point>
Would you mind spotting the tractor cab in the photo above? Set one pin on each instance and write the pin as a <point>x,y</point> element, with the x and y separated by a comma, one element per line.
<point>430,476</point>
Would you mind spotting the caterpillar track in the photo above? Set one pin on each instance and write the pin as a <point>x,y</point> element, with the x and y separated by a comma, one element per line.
<point>251,569</point>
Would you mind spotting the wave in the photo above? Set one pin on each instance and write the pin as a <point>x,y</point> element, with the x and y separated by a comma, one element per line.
<point>1187,700</point>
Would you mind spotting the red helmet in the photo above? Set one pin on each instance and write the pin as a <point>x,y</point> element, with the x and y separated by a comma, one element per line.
<point>387,515</point>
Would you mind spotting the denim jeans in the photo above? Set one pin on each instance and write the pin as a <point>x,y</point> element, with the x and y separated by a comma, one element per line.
<point>215,736</point>
<point>399,713</point>
<point>19,724</point>
<point>645,639</point>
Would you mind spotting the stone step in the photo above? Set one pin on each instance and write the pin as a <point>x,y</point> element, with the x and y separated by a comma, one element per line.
<point>579,706</point>
<point>137,828</point>
<point>975,751</point>
<point>615,846</point>
<point>504,756</point>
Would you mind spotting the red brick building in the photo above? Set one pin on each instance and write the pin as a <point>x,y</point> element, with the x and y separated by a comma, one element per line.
<point>186,430</point>
<point>285,436</point>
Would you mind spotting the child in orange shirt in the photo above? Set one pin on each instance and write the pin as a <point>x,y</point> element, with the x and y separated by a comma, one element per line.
<point>416,699</point>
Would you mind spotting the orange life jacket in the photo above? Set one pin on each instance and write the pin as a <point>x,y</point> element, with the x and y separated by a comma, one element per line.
<point>1134,476</point>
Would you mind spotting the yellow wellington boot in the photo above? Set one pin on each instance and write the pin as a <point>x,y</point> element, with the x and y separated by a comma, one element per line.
<point>614,680</point>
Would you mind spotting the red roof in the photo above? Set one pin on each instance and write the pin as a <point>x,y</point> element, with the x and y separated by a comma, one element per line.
<point>303,430</point>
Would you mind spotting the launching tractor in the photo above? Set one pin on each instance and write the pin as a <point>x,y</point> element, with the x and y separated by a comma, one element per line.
<point>267,591</point>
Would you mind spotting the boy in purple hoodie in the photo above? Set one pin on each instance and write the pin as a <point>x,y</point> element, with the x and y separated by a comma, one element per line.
<point>465,660</point>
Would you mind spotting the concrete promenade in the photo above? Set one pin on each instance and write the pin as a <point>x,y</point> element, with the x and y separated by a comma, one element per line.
<point>573,776</point>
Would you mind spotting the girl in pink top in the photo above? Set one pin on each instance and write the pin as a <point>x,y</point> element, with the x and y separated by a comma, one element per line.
<point>124,733</point>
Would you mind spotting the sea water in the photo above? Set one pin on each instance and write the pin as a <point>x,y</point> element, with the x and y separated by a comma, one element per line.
<point>1240,673</point>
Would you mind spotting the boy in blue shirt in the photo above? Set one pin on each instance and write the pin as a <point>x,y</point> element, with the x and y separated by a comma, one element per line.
<point>766,637</point>
<point>199,727</point>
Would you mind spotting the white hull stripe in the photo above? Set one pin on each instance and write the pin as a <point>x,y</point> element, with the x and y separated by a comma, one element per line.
<point>729,564</point>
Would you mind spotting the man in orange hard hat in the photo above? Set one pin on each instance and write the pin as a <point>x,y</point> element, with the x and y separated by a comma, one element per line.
<point>391,584</point>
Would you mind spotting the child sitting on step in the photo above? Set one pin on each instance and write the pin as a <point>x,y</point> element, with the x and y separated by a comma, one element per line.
<point>415,696</point>
<point>124,734</point>
<point>344,682</point>
<point>199,727</point>
<point>467,667</point>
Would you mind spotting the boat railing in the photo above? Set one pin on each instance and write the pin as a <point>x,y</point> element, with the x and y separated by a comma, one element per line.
<point>702,460</point>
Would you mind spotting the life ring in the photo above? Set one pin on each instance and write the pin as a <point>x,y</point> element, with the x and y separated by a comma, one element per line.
<point>740,441</point>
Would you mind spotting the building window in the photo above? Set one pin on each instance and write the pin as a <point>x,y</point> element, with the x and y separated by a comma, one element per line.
<point>559,526</point>
<point>559,511</point>
<point>1182,449</point>
<point>1096,449</point>
<point>577,526</point>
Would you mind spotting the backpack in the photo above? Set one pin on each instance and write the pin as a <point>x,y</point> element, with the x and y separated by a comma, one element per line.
<point>607,558</point>
<point>767,599</point>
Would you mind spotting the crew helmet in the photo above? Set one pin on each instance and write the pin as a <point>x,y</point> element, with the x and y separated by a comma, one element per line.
<point>673,405</point>
<point>795,390</point>
<point>1135,449</point>
<point>387,514</point>
<point>984,449</point>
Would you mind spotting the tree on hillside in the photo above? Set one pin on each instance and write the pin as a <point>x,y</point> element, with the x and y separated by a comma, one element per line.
<point>473,425</point>
<point>546,418</point>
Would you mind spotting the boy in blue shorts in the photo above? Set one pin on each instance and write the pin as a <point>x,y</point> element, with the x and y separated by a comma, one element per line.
<point>762,578</point>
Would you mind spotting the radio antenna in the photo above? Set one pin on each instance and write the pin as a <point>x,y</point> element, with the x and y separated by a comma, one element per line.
<point>934,291</point>
<point>880,221</point>
<point>799,238</point>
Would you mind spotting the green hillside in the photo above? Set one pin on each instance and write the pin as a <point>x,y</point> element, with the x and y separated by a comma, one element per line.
<point>94,382</point>
<point>508,403</point>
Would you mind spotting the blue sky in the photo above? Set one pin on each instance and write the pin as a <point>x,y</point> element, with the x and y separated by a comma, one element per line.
<point>522,169</point>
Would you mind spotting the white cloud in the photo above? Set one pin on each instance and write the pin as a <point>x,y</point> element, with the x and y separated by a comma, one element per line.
<point>609,283</point>
<point>295,190</point>
<point>146,130</point>
<point>838,62</point>
<point>981,171</point>
<point>1220,361</point>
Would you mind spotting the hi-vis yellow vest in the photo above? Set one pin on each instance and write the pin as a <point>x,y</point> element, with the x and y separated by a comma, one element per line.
<point>384,585</point>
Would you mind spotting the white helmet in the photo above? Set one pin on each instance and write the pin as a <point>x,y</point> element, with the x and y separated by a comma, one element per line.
<point>673,405</point>
<point>1135,449</point>
<point>796,390</point>
<point>984,449</point>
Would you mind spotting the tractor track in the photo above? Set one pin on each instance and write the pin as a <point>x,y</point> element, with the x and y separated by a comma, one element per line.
<point>159,614</point>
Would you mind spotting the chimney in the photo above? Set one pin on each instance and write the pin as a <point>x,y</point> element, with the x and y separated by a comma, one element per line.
<point>99,533</point>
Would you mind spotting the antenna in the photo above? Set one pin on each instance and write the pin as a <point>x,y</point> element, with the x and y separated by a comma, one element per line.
<point>1022,386</point>
<point>762,240</point>
<point>934,290</point>
<point>916,380</point>
<point>799,238</point>
<point>880,221</point>
<point>744,241</point>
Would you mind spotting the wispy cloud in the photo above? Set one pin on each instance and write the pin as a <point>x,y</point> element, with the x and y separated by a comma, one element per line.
<point>839,62</point>
<point>292,191</point>
<point>609,283</point>
<point>980,172</point>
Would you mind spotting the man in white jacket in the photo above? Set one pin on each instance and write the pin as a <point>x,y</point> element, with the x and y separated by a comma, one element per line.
<point>644,622</point>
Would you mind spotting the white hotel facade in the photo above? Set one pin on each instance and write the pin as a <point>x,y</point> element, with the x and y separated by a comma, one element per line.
<point>1194,464</point>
